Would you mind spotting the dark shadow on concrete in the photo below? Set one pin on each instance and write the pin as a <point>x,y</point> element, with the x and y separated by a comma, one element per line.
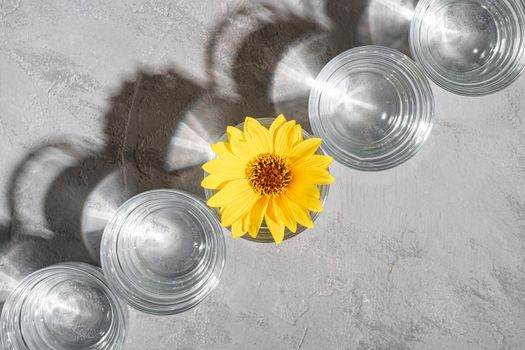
<point>5,232</point>
<point>142,123</point>
<point>371,22</point>
<point>143,120</point>
<point>250,57</point>
<point>257,58</point>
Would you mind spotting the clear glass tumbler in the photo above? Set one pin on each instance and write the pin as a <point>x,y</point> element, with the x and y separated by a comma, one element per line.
<point>264,235</point>
<point>469,47</point>
<point>372,106</point>
<point>163,251</point>
<point>66,306</point>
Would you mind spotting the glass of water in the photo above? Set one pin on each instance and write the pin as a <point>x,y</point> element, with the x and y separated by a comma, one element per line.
<point>372,106</point>
<point>163,251</point>
<point>63,307</point>
<point>469,47</point>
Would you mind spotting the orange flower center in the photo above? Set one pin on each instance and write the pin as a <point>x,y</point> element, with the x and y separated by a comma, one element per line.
<point>268,174</point>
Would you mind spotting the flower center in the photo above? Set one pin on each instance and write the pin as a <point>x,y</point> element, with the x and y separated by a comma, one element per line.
<point>268,174</point>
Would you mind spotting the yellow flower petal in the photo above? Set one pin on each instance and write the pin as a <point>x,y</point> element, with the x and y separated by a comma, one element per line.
<point>280,120</point>
<point>308,202</point>
<point>243,150</point>
<point>239,145</point>
<point>237,230</point>
<point>314,175</point>
<point>282,138</point>
<point>237,208</point>
<point>306,194</point>
<point>237,205</point>
<point>282,211</point>
<point>274,224</point>
<point>230,192</point>
<point>305,148</point>
<point>301,215</point>
<point>234,134</point>
<point>285,206</point>
<point>256,215</point>
<point>245,219</point>
<point>296,136</point>
<point>223,151</point>
<point>214,182</point>
<point>303,186</point>
<point>314,161</point>
<point>258,135</point>
<point>227,169</point>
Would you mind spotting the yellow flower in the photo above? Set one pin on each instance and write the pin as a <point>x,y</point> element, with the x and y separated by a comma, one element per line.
<point>268,174</point>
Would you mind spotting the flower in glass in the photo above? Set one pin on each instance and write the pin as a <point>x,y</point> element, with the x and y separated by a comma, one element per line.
<point>267,174</point>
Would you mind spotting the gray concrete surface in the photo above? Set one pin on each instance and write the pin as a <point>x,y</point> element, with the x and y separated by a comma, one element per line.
<point>103,99</point>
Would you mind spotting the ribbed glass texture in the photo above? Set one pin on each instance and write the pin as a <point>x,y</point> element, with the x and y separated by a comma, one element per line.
<point>469,47</point>
<point>66,306</point>
<point>163,252</point>
<point>373,108</point>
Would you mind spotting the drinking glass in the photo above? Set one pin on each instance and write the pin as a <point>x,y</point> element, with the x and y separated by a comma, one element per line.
<point>163,251</point>
<point>372,106</point>
<point>469,47</point>
<point>66,306</point>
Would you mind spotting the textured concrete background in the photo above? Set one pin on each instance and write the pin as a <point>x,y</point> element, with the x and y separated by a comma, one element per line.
<point>103,99</point>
